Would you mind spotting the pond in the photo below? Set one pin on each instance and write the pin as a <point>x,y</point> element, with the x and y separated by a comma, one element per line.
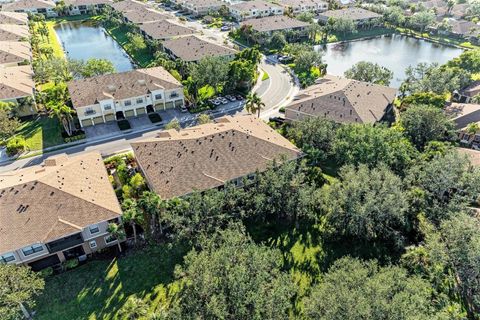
<point>85,40</point>
<point>395,52</point>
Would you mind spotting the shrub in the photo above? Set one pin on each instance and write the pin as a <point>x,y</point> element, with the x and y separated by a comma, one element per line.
<point>70,264</point>
<point>47,272</point>
<point>281,110</point>
<point>74,138</point>
<point>15,145</point>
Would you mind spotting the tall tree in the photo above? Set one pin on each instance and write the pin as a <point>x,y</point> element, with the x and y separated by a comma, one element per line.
<point>96,67</point>
<point>369,205</point>
<point>254,104</point>
<point>20,285</point>
<point>231,277</point>
<point>132,216</point>
<point>8,123</point>
<point>423,123</point>
<point>354,289</point>
<point>212,71</point>
<point>369,72</point>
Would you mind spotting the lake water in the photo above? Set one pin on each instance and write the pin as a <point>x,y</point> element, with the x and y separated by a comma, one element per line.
<point>84,40</point>
<point>394,52</point>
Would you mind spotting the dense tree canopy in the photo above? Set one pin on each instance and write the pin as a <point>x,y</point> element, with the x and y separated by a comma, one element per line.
<point>231,277</point>
<point>19,286</point>
<point>368,204</point>
<point>369,72</point>
<point>423,123</point>
<point>353,289</point>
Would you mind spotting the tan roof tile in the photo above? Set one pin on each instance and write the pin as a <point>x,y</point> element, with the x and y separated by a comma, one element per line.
<point>87,2</point>
<point>143,15</point>
<point>349,13</point>
<point>13,18</point>
<point>13,32</point>
<point>43,203</point>
<point>15,52</point>
<point>16,82</point>
<point>208,156</point>
<point>246,6</point>
<point>193,48</point>
<point>128,5</point>
<point>343,100</point>
<point>28,4</point>
<point>274,23</point>
<point>165,29</point>
<point>89,91</point>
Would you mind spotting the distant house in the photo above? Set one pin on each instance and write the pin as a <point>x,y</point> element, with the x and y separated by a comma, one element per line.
<point>143,15</point>
<point>193,48</point>
<point>128,5</point>
<point>126,94</point>
<point>301,6</point>
<point>14,32</point>
<point>17,86</point>
<point>473,156</point>
<point>45,7</point>
<point>164,30</point>
<point>56,211</point>
<point>19,18</point>
<point>76,7</point>
<point>210,155</point>
<point>201,7</point>
<point>15,53</point>
<point>466,94</point>
<point>343,101</point>
<point>463,29</point>
<point>254,9</point>
<point>358,15</point>
<point>462,115</point>
<point>265,27</point>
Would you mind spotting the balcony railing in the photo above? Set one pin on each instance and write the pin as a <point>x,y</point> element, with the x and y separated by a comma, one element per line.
<point>64,243</point>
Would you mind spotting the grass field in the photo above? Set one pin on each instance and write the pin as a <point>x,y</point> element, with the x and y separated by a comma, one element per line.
<point>98,289</point>
<point>41,133</point>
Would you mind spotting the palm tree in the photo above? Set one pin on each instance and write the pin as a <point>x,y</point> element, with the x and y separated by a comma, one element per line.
<point>254,103</point>
<point>64,115</point>
<point>132,216</point>
<point>117,232</point>
<point>152,207</point>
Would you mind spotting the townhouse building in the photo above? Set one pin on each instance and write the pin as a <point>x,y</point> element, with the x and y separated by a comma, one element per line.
<point>254,9</point>
<point>77,7</point>
<point>361,17</point>
<point>17,87</point>
<point>302,6</point>
<point>193,48</point>
<point>45,7</point>
<point>15,53</point>
<point>56,211</point>
<point>19,18</point>
<point>121,95</point>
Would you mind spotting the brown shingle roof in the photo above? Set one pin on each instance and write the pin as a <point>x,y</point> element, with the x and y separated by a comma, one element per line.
<point>274,23</point>
<point>43,203</point>
<point>246,6</point>
<point>87,2</point>
<point>193,48</point>
<point>143,15</point>
<point>349,13</point>
<point>13,18</point>
<point>207,156</point>
<point>160,30</point>
<point>14,52</point>
<point>28,5</point>
<point>16,82</point>
<point>343,100</point>
<point>13,32</point>
<point>463,113</point>
<point>128,5</point>
<point>134,83</point>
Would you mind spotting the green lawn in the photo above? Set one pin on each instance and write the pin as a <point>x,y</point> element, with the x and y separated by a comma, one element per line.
<point>98,289</point>
<point>41,133</point>
<point>143,57</point>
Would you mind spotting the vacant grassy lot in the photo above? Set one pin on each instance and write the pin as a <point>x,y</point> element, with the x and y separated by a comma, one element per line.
<point>41,133</point>
<point>98,289</point>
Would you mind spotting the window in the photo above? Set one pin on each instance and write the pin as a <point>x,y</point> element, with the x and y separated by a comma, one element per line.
<point>89,111</point>
<point>7,258</point>
<point>139,100</point>
<point>173,95</point>
<point>158,96</point>
<point>107,107</point>
<point>32,249</point>
<point>109,239</point>
<point>93,244</point>
<point>94,229</point>
<point>127,103</point>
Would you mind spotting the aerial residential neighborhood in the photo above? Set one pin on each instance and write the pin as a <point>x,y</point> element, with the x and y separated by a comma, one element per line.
<point>239,159</point>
